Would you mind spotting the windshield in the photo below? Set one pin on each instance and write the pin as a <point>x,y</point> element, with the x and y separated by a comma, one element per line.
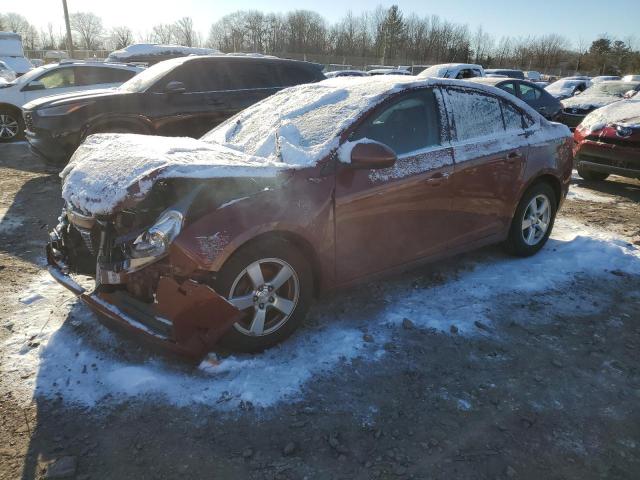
<point>565,85</point>
<point>301,124</point>
<point>615,89</point>
<point>147,78</point>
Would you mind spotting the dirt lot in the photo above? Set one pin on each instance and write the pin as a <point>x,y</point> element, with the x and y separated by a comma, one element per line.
<point>478,367</point>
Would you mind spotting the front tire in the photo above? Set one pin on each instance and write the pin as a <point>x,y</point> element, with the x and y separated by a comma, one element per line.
<point>271,282</point>
<point>533,221</point>
<point>11,125</point>
<point>590,175</point>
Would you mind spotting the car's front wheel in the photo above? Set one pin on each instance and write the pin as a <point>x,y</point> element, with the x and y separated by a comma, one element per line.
<point>11,126</point>
<point>533,221</point>
<point>270,281</point>
<point>591,175</point>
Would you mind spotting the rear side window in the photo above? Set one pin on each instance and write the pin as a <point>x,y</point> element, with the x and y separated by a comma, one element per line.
<point>513,119</point>
<point>509,87</point>
<point>295,75</point>
<point>97,75</point>
<point>474,114</point>
<point>529,93</point>
<point>411,123</point>
<point>250,75</point>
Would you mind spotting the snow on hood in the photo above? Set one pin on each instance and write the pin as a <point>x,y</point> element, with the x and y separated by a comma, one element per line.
<point>109,169</point>
<point>624,112</point>
<point>585,102</point>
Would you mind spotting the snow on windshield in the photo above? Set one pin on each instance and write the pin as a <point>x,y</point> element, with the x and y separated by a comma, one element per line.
<point>301,125</point>
<point>564,85</point>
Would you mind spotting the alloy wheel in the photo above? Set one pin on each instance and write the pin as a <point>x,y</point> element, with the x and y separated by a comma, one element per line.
<point>8,126</point>
<point>267,291</point>
<point>535,221</point>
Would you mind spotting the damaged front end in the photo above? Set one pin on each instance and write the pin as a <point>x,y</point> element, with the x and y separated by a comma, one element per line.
<point>142,283</point>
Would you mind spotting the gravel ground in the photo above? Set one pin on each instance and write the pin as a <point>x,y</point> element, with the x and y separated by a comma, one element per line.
<point>477,367</point>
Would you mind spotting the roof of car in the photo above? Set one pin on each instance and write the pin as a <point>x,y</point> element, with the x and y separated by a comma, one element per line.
<point>496,80</point>
<point>240,58</point>
<point>95,63</point>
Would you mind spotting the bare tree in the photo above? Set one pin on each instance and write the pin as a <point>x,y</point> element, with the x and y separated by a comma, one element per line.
<point>121,37</point>
<point>163,33</point>
<point>89,29</point>
<point>185,33</point>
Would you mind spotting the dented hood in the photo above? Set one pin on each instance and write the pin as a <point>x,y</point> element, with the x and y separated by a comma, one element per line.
<point>109,172</point>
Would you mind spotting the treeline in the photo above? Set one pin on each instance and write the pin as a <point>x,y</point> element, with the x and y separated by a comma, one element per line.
<point>384,35</point>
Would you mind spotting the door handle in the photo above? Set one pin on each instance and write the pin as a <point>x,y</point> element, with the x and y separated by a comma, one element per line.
<point>437,178</point>
<point>513,156</point>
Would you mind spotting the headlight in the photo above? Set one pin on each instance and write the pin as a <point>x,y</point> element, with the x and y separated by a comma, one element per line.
<point>62,109</point>
<point>156,240</point>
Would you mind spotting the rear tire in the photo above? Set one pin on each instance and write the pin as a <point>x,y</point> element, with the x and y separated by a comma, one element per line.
<point>271,281</point>
<point>533,221</point>
<point>590,175</point>
<point>11,125</point>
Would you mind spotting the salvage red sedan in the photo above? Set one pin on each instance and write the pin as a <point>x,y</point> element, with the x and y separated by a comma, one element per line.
<point>230,237</point>
<point>607,142</point>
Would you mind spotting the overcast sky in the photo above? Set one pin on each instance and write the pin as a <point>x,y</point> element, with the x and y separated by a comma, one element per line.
<point>575,19</point>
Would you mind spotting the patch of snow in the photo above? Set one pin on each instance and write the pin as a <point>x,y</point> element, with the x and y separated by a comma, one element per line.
<point>344,152</point>
<point>57,349</point>
<point>9,223</point>
<point>576,192</point>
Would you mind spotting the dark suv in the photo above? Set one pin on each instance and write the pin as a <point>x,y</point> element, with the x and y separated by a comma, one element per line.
<point>185,96</point>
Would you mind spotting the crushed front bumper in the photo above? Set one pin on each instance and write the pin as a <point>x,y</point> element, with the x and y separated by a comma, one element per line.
<point>187,319</point>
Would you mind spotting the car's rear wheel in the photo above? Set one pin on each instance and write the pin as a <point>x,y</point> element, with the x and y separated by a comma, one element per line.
<point>591,175</point>
<point>533,221</point>
<point>11,125</point>
<point>271,283</point>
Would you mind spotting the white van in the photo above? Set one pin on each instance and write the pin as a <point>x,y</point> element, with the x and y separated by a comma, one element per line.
<point>12,54</point>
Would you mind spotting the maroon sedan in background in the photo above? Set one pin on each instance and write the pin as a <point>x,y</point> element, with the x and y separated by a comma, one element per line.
<point>608,142</point>
<point>230,237</point>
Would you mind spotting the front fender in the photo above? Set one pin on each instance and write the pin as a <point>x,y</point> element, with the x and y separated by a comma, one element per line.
<point>303,209</point>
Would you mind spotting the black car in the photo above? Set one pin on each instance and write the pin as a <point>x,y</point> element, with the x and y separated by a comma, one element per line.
<point>599,95</point>
<point>185,96</point>
<point>533,95</point>
<point>519,74</point>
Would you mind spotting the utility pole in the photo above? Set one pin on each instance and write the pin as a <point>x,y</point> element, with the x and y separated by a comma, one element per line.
<point>66,21</point>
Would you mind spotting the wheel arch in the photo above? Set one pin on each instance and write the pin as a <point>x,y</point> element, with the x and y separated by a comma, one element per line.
<point>299,242</point>
<point>552,181</point>
<point>13,108</point>
<point>135,123</point>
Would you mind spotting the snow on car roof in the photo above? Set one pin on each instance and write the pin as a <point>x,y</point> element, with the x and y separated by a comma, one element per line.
<point>157,49</point>
<point>624,112</point>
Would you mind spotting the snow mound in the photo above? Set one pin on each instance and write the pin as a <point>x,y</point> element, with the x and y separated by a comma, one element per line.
<point>150,49</point>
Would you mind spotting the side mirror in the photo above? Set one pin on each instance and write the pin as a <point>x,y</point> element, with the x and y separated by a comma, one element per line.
<point>372,155</point>
<point>629,94</point>
<point>175,87</point>
<point>36,85</point>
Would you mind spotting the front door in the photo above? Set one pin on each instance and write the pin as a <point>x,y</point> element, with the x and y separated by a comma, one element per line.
<point>388,217</point>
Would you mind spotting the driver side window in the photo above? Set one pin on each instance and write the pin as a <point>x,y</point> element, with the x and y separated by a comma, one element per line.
<point>410,123</point>
<point>58,78</point>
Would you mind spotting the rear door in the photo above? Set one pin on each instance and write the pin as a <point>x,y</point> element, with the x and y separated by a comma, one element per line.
<point>490,150</point>
<point>388,217</point>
